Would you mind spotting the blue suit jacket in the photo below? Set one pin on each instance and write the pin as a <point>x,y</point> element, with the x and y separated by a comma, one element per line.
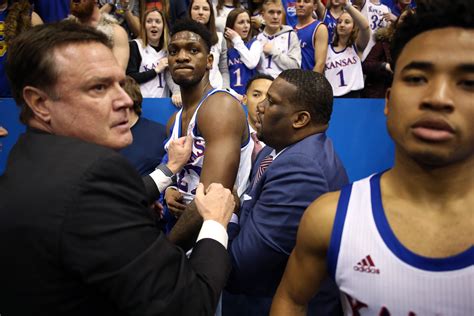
<point>271,214</point>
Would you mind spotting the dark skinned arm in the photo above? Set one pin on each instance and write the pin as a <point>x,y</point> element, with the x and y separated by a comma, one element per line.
<point>222,123</point>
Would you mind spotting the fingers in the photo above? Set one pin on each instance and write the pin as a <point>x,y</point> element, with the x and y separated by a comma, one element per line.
<point>177,101</point>
<point>188,142</point>
<point>214,187</point>
<point>175,211</point>
<point>200,191</point>
<point>173,200</point>
<point>180,141</point>
<point>215,203</point>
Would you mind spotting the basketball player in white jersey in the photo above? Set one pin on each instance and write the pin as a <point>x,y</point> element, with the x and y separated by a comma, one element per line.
<point>281,46</point>
<point>215,119</point>
<point>401,242</point>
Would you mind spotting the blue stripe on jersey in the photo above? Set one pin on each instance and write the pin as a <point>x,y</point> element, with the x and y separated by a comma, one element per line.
<point>180,127</point>
<point>459,261</point>
<point>337,229</point>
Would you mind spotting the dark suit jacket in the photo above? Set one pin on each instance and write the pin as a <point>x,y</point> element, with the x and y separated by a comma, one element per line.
<point>269,219</point>
<point>147,149</point>
<point>77,238</point>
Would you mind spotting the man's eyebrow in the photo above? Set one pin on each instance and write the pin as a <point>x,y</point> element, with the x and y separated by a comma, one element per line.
<point>465,68</point>
<point>99,79</point>
<point>418,65</point>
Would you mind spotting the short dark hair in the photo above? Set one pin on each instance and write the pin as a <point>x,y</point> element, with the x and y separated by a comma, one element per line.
<point>30,59</point>
<point>133,90</point>
<point>430,15</point>
<point>313,93</point>
<point>257,77</point>
<point>194,27</point>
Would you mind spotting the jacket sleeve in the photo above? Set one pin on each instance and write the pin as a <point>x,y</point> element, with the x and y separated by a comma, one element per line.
<point>292,59</point>
<point>223,67</point>
<point>250,57</point>
<point>268,234</point>
<point>133,67</point>
<point>110,242</point>
<point>375,61</point>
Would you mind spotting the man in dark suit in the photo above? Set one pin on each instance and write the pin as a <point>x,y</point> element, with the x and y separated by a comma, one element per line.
<point>297,165</point>
<point>77,237</point>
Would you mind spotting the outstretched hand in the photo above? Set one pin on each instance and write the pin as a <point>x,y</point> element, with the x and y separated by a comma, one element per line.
<point>217,203</point>
<point>179,151</point>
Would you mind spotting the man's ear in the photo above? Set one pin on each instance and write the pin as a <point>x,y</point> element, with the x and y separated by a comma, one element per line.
<point>387,99</point>
<point>210,60</point>
<point>244,99</point>
<point>301,119</point>
<point>38,101</point>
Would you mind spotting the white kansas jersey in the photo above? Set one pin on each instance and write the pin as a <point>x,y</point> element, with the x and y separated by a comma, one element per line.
<point>344,70</point>
<point>188,177</point>
<point>374,14</point>
<point>377,275</point>
<point>281,42</point>
<point>158,86</point>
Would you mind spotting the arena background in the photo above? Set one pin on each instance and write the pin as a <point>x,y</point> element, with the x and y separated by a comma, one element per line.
<point>357,129</point>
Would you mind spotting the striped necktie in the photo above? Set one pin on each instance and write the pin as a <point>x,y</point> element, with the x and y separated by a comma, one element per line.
<point>257,146</point>
<point>263,166</point>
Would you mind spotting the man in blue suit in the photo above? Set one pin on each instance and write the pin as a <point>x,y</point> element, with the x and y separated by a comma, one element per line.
<point>297,166</point>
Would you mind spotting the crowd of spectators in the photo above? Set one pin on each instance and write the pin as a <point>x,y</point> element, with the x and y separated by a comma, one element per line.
<point>345,41</point>
<point>285,61</point>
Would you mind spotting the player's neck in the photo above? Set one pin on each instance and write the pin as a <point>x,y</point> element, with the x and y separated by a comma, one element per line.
<point>342,43</point>
<point>336,11</point>
<point>377,2</point>
<point>193,94</point>
<point>304,21</point>
<point>423,182</point>
<point>251,123</point>
<point>93,19</point>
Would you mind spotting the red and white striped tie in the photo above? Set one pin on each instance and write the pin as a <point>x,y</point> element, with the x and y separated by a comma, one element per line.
<point>263,166</point>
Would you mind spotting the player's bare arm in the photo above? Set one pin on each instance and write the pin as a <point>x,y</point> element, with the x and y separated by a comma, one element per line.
<point>320,48</point>
<point>221,121</point>
<point>306,266</point>
<point>121,48</point>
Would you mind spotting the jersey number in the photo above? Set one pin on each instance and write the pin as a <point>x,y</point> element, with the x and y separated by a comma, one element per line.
<point>376,22</point>
<point>238,79</point>
<point>269,65</point>
<point>160,80</point>
<point>341,78</point>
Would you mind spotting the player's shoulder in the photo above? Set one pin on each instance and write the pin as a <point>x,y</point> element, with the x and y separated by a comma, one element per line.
<point>220,102</point>
<point>318,219</point>
<point>219,112</point>
<point>327,202</point>
<point>322,211</point>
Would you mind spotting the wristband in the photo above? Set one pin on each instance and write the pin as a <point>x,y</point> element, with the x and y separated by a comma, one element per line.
<point>166,171</point>
<point>348,4</point>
